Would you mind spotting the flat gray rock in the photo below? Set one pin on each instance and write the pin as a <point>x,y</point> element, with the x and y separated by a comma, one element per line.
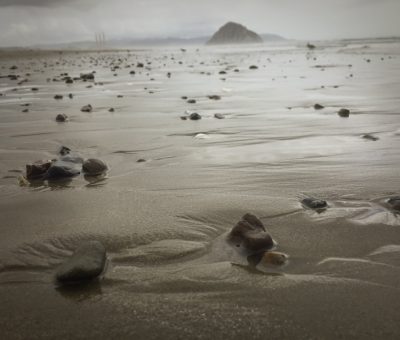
<point>86,263</point>
<point>60,170</point>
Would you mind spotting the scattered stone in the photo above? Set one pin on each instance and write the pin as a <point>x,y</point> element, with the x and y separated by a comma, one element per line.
<point>86,263</point>
<point>253,67</point>
<point>345,113</point>
<point>141,160</point>
<point>87,108</point>
<point>214,97</point>
<point>94,167</point>
<point>37,169</point>
<point>314,203</point>
<point>219,116</point>
<point>310,46</point>
<point>140,65</point>
<point>191,101</point>
<point>70,96</point>
<point>111,109</point>
<point>184,117</point>
<point>318,106</point>
<point>61,117</point>
<point>370,137</point>
<point>184,97</point>
<point>58,96</point>
<point>194,116</point>
<point>250,234</point>
<point>132,72</point>
<point>34,89</point>
<point>25,110</point>
<point>222,72</point>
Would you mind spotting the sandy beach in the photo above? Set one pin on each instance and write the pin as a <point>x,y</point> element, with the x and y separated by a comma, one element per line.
<point>175,188</point>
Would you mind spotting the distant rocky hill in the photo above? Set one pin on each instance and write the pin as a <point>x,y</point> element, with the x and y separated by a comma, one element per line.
<point>233,33</point>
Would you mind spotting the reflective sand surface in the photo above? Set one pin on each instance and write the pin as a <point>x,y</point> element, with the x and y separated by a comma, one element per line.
<point>171,274</point>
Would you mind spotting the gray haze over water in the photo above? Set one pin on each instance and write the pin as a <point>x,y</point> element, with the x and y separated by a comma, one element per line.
<point>28,22</point>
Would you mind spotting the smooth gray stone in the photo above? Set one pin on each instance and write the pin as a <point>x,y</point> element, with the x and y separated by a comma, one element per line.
<point>86,263</point>
<point>94,167</point>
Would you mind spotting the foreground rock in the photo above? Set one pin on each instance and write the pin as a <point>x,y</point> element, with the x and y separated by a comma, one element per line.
<point>233,33</point>
<point>250,234</point>
<point>86,263</point>
<point>314,203</point>
<point>94,167</point>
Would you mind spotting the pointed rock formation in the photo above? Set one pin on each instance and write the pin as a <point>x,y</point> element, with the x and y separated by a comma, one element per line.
<point>233,33</point>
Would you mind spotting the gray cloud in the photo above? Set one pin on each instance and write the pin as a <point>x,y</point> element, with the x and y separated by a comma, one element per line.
<point>24,22</point>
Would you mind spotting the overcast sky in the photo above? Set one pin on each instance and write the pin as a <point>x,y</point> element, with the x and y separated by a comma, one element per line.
<point>26,22</point>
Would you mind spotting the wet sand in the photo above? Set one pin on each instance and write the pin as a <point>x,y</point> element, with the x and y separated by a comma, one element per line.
<point>171,273</point>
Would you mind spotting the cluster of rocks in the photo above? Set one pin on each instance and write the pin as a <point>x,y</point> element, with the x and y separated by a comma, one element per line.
<point>67,165</point>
